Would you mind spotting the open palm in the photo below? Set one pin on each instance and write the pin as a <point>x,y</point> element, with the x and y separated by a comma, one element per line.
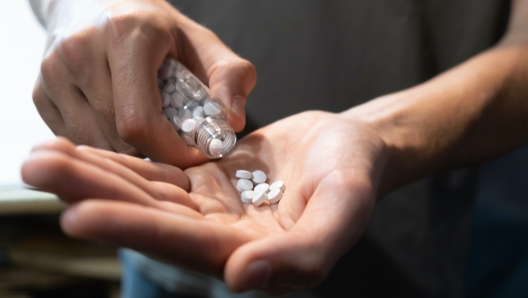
<point>195,219</point>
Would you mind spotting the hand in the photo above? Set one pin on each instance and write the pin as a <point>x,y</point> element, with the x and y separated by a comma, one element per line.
<point>98,80</point>
<point>331,167</point>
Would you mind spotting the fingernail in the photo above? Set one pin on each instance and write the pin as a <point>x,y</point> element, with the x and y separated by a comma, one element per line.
<point>239,107</point>
<point>256,276</point>
<point>69,216</point>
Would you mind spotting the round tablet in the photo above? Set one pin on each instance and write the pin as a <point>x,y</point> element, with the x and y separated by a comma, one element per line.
<point>259,198</point>
<point>165,99</point>
<point>169,88</point>
<point>176,100</point>
<point>170,112</point>
<point>247,196</point>
<point>244,184</point>
<point>188,125</point>
<point>198,112</point>
<point>261,187</point>
<point>216,146</point>
<point>184,114</point>
<point>243,174</point>
<point>258,176</point>
<point>278,184</point>
<point>274,196</point>
<point>211,109</point>
<point>175,121</point>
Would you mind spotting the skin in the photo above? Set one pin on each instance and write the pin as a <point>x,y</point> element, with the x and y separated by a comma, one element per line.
<point>336,166</point>
<point>97,85</point>
<point>211,219</point>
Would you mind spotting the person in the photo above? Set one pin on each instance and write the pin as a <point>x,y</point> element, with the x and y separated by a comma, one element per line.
<point>97,87</point>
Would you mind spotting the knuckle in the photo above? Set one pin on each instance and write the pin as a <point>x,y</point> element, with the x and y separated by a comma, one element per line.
<point>76,52</point>
<point>104,107</point>
<point>127,149</point>
<point>49,67</point>
<point>245,69</point>
<point>249,72</point>
<point>39,97</point>
<point>131,125</point>
<point>137,27</point>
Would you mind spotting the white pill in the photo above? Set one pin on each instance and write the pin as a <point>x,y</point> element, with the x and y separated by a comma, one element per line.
<point>216,146</point>
<point>199,120</point>
<point>198,112</point>
<point>274,196</point>
<point>171,81</point>
<point>243,174</point>
<point>188,125</point>
<point>184,114</point>
<point>170,112</point>
<point>211,109</point>
<point>176,100</point>
<point>165,99</point>
<point>278,185</point>
<point>244,184</point>
<point>262,187</point>
<point>182,73</point>
<point>173,64</point>
<point>247,196</point>
<point>175,121</point>
<point>170,74</point>
<point>258,176</point>
<point>259,198</point>
<point>169,88</point>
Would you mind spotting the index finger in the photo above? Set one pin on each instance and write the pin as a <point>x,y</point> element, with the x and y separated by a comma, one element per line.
<point>140,121</point>
<point>196,244</point>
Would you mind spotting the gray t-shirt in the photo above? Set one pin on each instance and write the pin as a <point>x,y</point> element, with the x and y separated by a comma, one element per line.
<point>332,55</point>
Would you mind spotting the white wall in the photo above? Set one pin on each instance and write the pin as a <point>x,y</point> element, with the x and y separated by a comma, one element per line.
<point>22,44</point>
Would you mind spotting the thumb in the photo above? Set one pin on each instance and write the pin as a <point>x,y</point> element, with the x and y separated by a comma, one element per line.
<point>232,80</point>
<point>229,77</point>
<point>333,220</point>
<point>278,264</point>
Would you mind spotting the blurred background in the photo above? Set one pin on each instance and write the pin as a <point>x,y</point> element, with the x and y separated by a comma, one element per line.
<point>36,259</point>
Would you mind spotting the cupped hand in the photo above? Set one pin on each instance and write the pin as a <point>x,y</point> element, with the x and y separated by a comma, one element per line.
<point>195,219</point>
<point>98,79</point>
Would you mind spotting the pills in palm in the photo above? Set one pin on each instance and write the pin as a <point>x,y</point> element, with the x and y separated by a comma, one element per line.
<point>259,198</point>
<point>254,189</point>
<point>243,174</point>
<point>262,187</point>
<point>247,196</point>
<point>274,195</point>
<point>244,184</point>
<point>278,184</point>
<point>258,176</point>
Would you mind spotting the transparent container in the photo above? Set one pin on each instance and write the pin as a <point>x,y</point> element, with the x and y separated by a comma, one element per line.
<point>192,109</point>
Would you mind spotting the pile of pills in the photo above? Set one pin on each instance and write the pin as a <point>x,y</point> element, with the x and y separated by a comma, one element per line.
<point>254,189</point>
<point>194,112</point>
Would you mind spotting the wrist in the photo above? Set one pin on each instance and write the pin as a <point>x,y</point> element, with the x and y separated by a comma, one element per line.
<point>388,117</point>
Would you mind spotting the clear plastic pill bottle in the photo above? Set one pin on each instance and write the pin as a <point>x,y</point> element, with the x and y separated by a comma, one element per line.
<point>192,109</point>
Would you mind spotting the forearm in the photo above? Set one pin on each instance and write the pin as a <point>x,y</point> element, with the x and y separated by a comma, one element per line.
<point>466,115</point>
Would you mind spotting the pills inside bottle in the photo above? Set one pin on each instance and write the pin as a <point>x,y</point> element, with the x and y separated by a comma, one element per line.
<point>194,111</point>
